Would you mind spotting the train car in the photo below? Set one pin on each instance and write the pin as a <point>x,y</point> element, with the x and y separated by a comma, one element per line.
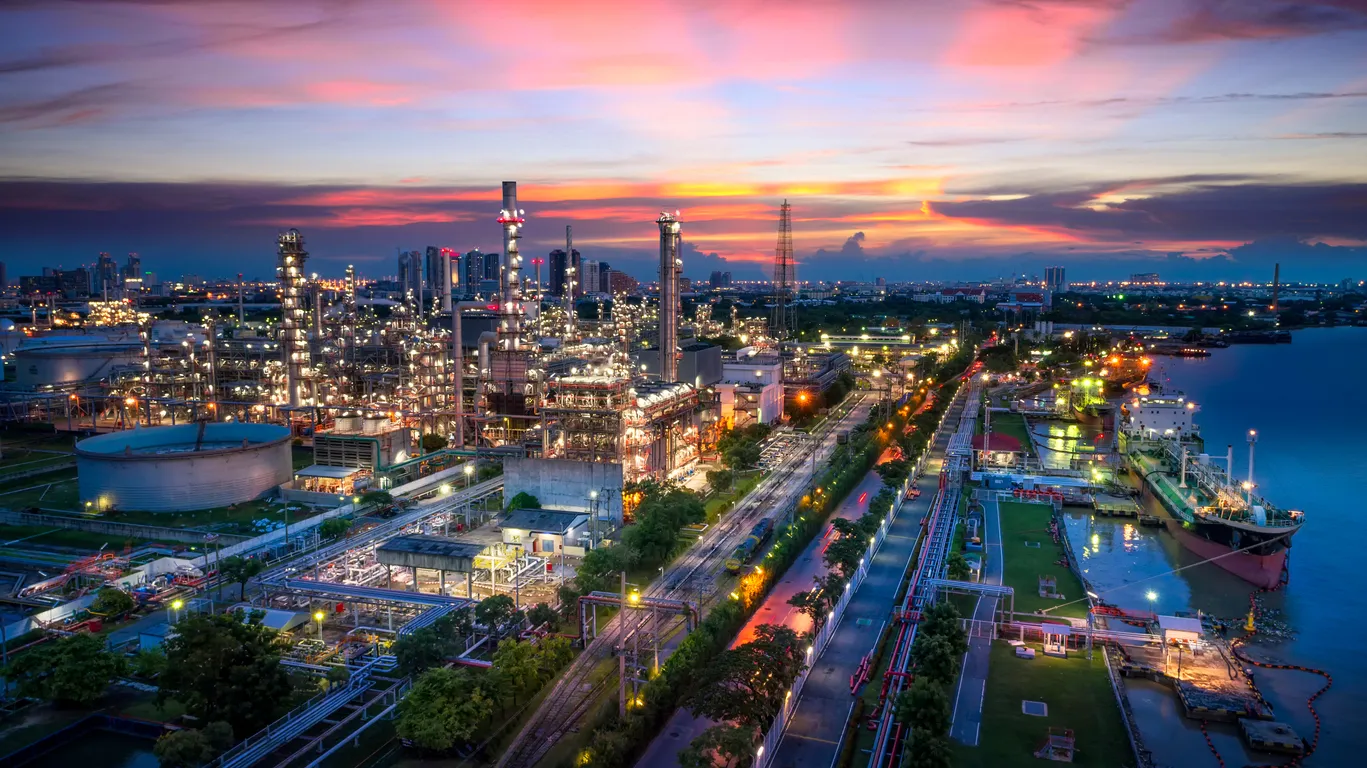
<point>746,550</point>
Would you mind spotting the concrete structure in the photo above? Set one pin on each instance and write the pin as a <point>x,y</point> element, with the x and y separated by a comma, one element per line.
<point>568,486</point>
<point>1054,280</point>
<point>181,468</point>
<point>546,532</point>
<point>751,388</point>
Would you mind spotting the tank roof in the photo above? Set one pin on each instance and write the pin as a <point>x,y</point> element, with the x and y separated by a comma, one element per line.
<point>153,442</point>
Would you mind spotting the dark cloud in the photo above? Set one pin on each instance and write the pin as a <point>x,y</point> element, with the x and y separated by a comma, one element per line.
<point>201,227</point>
<point>1216,20</point>
<point>76,106</point>
<point>1211,212</point>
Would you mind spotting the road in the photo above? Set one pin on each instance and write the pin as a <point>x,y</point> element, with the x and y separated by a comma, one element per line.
<point>814,733</point>
<point>683,727</point>
<point>692,574</point>
<point>968,697</point>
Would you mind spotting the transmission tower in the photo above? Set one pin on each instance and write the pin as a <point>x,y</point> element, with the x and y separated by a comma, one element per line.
<point>785,277</point>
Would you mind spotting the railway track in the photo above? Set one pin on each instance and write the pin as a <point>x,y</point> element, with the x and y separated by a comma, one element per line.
<point>575,692</point>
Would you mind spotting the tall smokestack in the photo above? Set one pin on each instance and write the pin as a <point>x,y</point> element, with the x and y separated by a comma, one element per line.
<point>670,267</point>
<point>510,309</point>
<point>1276,286</point>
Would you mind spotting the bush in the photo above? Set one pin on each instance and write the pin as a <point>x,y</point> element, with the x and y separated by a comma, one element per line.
<point>524,500</point>
<point>191,748</point>
<point>432,442</point>
<point>111,601</point>
<point>72,671</point>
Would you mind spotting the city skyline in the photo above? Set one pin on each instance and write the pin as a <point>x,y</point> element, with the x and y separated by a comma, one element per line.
<point>915,141</point>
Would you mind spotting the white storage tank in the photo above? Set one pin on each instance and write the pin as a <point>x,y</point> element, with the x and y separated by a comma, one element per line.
<point>182,468</point>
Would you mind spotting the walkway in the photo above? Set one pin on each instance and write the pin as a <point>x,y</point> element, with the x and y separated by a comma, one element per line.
<point>813,736</point>
<point>968,700</point>
<point>683,727</point>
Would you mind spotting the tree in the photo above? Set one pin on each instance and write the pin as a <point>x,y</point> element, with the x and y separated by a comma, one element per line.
<point>942,620</point>
<point>553,653</point>
<point>148,663</point>
<point>747,684</point>
<point>721,480</point>
<point>227,667</point>
<point>334,527</point>
<point>541,614</point>
<point>445,708</point>
<point>524,500</point>
<point>516,668</point>
<point>743,455</point>
<point>190,748</point>
<point>433,442</point>
<point>925,705</point>
<point>377,499</point>
<point>73,671</point>
<point>111,601</point>
<point>957,565</point>
<point>928,750</point>
<point>432,645</point>
<point>337,676</point>
<point>935,659</point>
<point>240,570</point>
<point>497,613</point>
<point>818,603</point>
<point>719,744</point>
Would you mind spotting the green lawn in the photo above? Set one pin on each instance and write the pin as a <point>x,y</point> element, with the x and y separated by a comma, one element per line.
<point>720,502</point>
<point>44,537</point>
<point>1078,694</point>
<point>55,490</point>
<point>1013,424</point>
<point>234,519</point>
<point>1022,523</point>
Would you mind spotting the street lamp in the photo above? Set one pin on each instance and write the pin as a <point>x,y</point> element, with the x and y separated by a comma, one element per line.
<point>469,470</point>
<point>318,617</point>
<point>176,605</point>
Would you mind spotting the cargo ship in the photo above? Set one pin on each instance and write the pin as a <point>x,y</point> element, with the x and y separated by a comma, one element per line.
<point>1206,510</point>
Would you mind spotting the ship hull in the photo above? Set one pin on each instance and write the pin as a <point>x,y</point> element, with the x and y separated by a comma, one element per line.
<point>1259,570</point>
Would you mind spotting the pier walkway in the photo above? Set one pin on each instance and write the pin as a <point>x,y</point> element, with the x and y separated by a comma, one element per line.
<point>968,697</point>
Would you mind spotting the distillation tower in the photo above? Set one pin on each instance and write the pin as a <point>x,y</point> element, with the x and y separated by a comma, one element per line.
<point>671,229</point>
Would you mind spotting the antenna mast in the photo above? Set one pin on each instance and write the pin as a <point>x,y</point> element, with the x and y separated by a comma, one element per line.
<point>785,277</point>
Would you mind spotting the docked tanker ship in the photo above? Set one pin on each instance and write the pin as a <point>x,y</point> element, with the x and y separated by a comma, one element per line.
<point>1209,512</point>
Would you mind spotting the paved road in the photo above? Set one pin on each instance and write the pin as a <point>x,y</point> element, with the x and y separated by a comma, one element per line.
<point>813,735</point>
<point>683,727</point>
<point>968,699</point>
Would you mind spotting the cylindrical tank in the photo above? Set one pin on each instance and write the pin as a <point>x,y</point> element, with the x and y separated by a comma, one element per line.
<point>374,424</point>
<point>350,421</point>
<point>176,469</point>
<point>62,363</point>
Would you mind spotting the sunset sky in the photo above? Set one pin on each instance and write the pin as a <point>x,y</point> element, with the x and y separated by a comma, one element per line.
<point>915,139</point>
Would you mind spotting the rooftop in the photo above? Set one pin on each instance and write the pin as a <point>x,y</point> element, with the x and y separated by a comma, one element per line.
<point>543,520</point>
<point>432,545</point>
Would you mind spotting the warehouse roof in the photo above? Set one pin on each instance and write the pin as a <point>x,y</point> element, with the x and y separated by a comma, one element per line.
<point>431,545</point>
<point>543,520</point>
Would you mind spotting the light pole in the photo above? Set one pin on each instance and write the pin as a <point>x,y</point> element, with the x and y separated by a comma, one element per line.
<point>469,472</point>
<point>176,605</point>
<point>593,519</point>
<point>318,616</point>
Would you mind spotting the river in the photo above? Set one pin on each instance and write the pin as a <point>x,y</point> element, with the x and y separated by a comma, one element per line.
<point>1304,401</point>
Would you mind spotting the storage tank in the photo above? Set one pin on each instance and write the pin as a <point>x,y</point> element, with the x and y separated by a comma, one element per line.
<point>182,468</point>
<point>53,362</point>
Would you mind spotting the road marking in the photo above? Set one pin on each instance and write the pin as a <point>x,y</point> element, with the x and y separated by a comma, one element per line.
<point>844,727</point>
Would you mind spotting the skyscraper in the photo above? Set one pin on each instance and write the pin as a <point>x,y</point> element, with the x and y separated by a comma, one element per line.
<point>559,270</point>
<point>491,266</point>
<point>1054,280</point>
<point>590,280</point>
<point>106,282</point>
<point>474,271</point>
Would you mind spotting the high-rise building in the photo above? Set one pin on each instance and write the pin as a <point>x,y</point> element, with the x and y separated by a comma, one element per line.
<point>590,279</point>
<point>474,271</point>
<point>560,268</point>
<point>4,282</point>
<point>1054,279</point>
<point>410,271</point>
<point>620,282</point>
<point>720,279</point>
<point>106,276</point>
<point>492,267</point>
